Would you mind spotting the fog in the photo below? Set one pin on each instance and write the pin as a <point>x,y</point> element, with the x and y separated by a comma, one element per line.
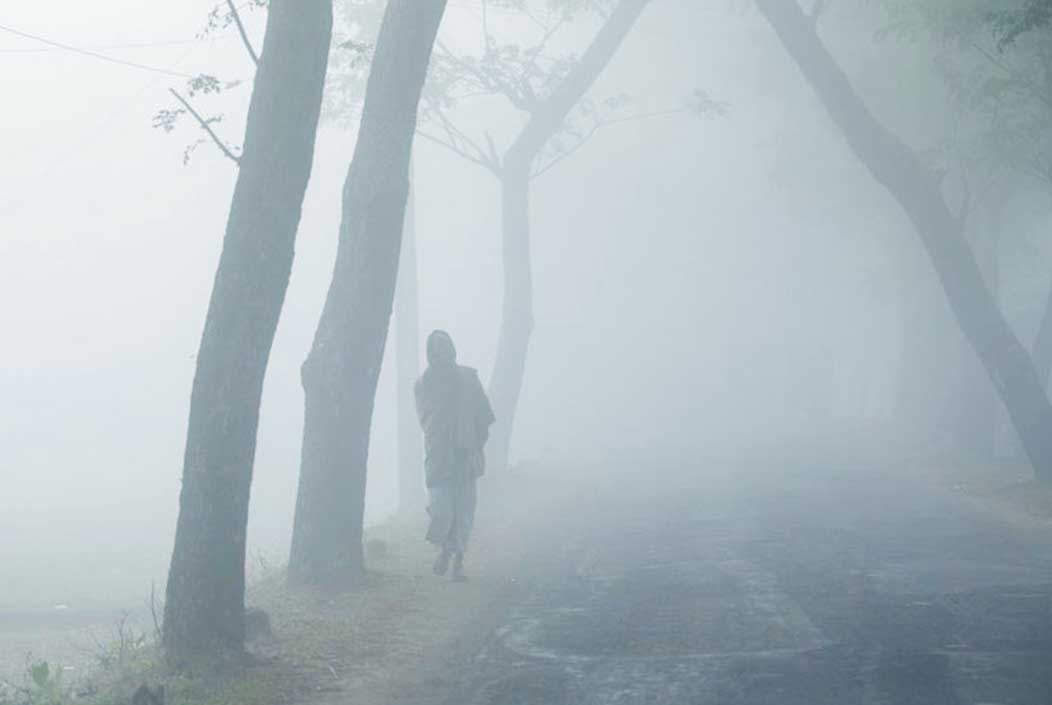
<point>734,285</point>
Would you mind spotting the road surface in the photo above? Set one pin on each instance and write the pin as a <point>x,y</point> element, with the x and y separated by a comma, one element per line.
<point>773,585</point>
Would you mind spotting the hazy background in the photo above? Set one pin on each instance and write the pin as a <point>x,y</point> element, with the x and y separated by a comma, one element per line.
<point>696,280</point>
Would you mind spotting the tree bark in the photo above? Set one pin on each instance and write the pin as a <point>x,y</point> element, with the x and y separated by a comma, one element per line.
<point>204,606</point>
<point>407,336</point>
<point>545,120</point>
<point>341,372</point>
<point>919,193</point>
<point>516,324</point>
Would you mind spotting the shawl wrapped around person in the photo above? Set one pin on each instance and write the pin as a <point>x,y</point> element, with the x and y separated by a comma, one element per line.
<point>455,415</point>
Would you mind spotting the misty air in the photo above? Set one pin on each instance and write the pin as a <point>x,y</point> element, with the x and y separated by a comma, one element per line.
<point>526,352</point>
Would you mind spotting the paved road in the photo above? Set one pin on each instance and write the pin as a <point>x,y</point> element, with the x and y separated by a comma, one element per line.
<point>780,586</point>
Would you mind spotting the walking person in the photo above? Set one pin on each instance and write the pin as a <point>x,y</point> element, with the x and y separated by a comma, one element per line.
<point>455,416</point>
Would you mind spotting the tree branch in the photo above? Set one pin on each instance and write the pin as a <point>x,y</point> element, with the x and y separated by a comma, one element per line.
<point>459,138</point>
<point>459,152</point>
<point>599,125</point>
<point>241,30</point>
<point>547,116</point>
<point>207,128</point>
<point>565,154</point>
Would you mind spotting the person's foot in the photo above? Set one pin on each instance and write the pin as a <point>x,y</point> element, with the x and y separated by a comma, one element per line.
<point>458,569</point>
<point>441,563</point>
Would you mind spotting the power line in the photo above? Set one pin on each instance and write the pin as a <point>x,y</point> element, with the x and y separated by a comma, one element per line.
<point>88,139</point>
<point>93,54</point>
<point>108,47</point>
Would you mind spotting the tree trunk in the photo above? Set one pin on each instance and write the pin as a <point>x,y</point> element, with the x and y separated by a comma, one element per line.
<point>546,119</point>
<point>918,191</point>
<point>407,336</point>
<point>516,324</point>
<point>341,372</point>
<point>204,606</point>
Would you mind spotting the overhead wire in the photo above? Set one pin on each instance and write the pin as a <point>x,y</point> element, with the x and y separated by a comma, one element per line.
<point>93,54</point>
<point>92,136</point>
<point>106,47</point>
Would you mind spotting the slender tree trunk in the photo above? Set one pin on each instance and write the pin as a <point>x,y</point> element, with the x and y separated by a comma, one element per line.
<point>919,193</point>
<point>204,607</point>
<point>546,119</point>
<point>407,336</point>
<point>341,372</point>
<point>517,311</point>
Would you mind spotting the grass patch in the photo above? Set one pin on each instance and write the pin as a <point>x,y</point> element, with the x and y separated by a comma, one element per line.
<point>312,642</point>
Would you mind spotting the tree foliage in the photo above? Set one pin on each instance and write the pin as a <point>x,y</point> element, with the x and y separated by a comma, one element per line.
<point>1011,24</point>
<point>996,61</point>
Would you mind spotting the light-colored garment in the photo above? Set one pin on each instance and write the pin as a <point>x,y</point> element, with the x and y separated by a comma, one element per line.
<point>452,510</point>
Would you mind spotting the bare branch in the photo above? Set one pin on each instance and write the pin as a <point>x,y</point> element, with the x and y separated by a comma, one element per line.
<point>457,137</point>
<point>236,16</point>
<point>567,153</point>
<point>459,152</point>
<point>599,125</point>
<point>207,127</point>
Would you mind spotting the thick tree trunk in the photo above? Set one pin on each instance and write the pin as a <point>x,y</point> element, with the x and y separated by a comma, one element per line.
<point>341,372</point>
<point>546,119</point>
<point>204,607</point>
<point>517,311</point>
<point>919,193</point>
<point>407,336</point>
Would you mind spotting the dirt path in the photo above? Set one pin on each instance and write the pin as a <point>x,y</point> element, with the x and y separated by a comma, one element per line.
<point>407,635</point>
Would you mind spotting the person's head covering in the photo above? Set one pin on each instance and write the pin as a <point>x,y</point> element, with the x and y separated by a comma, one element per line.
<point>440,349</point>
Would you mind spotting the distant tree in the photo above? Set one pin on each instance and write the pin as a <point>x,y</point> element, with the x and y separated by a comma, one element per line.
<point>551,93</point>
<point>510,69</point>
<point>1011,24</point>
<point>204,608</point>
<point>919,191</point>
<point>997,66</point>
<point>340,374</point>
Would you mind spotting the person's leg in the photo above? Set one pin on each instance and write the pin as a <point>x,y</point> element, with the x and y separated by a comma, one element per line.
<point>443,519</point>
<point>441,564</point>
<point>467,501</point>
